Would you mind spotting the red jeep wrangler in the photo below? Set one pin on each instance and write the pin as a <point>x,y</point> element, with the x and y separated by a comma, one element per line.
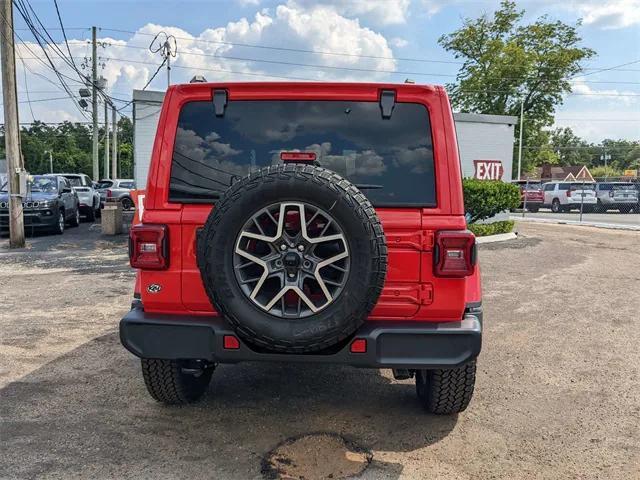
<point>305,222</point>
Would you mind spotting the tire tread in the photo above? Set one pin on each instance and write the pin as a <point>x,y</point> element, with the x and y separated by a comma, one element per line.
<point>347,193</point>
<point>167,384</point>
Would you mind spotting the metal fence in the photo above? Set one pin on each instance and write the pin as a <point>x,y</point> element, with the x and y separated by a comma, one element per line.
<point>605,200</point>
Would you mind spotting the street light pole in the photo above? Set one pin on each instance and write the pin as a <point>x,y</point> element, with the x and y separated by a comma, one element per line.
<point>106,139</point>
<point>520,140</point>
<point>94,102</point>
<point>50,161</point>
<point>114,143</point>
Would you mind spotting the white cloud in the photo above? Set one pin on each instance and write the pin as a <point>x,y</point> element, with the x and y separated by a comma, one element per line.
<point>398,42</point>
<point>608,14</point>
<point>611,96</point>
<point>248,3</point>
<point>434,6</point>
<point>594,125</point>
<point>129,64</point>
<point>381,12</point>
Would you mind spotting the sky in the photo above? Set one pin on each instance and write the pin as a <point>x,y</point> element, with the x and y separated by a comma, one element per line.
<point>349,40</point>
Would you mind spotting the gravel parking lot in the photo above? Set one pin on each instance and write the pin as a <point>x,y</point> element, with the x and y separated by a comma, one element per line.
<point>557,393</point>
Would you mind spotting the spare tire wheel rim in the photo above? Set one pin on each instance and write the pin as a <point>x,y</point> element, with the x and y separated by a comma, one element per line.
<point>291,259</point>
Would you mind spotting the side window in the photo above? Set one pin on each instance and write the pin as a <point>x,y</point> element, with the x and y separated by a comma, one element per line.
<point>564,186</point>
<point>549,187</point>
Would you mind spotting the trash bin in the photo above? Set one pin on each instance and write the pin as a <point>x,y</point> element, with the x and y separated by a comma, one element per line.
<point>112,219</point>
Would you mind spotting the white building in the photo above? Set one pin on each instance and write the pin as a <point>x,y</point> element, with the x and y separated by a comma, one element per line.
<point>485,141</point>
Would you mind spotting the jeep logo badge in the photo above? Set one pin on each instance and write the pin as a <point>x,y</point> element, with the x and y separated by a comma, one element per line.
<point>154,288</point>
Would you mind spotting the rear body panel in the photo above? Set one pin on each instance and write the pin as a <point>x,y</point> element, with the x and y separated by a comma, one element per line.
<point>411,291</point>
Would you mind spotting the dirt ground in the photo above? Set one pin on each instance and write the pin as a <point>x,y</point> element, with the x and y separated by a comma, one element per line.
<point>557,395</point>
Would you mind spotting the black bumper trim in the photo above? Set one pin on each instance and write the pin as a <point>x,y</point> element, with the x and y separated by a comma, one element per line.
<point>390,343</point>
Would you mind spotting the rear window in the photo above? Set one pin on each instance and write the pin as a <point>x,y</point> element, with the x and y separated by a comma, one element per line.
<point>104,184</point>
<point>74,180</point>
<point>582,186</point>
<point>391,160</point>
<point>627,186</point>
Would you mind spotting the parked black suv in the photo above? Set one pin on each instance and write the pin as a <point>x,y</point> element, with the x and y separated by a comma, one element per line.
<point>50,204</point>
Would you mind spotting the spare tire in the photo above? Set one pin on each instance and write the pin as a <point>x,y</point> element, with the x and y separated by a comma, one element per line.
<point>294,256</point>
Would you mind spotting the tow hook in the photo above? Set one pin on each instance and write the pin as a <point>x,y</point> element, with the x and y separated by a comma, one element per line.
<point>196,367</point>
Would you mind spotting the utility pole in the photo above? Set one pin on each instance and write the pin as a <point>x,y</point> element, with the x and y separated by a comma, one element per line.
<point>605,157</point>
<point>114,144</point>
<point>106,139</point>
<point>520,141</point>
<point>15,167</point>
<point>167,48</point>
<point>94,101</point>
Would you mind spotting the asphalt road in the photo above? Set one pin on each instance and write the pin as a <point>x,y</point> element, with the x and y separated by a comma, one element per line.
<point>613,218</point>
<point>557,392</point>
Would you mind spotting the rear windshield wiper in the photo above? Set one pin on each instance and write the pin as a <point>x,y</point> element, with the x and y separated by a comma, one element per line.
<point>368,186</point>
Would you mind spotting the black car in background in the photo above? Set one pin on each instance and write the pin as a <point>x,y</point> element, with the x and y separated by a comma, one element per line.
<point>50,203</point>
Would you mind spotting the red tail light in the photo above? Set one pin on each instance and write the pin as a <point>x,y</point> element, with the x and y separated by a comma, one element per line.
<point>149,246</point>
<point>109,193</point>
<point>454,254</point>
<point>568,193</point>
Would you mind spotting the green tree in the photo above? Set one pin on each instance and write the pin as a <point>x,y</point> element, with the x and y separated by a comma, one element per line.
<point>507,63</point>
<point>570,148</point>
<point>70,145</point>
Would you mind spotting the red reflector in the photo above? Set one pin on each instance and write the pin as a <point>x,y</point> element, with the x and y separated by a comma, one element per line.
<point>230,342</point>
<point>359,345</point>
<point>298,156</point>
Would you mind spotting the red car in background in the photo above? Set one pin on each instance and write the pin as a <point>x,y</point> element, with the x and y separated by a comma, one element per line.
<point>531,191</point>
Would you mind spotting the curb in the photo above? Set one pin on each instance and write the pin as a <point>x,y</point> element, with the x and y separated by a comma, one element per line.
<point>500,237</point>
<point>610,226</point>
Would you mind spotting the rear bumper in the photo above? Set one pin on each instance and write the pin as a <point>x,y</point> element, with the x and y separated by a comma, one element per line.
<point>390,344</point>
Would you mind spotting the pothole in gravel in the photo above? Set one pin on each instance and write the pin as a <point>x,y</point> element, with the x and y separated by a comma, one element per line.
<point>315,456</point>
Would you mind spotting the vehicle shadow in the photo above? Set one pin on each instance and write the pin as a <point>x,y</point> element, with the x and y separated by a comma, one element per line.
<point>88,412</point>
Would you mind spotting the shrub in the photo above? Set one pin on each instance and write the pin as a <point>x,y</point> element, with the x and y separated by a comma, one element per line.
<point>485,198</point>
<point>484,229</point>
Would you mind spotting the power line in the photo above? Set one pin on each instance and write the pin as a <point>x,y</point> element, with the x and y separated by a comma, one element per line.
<point>26,86</point>
<point>20,6</point>
<point>356,69</point>
<point>615,67</point>
<point>64,33</point>
<point>315,52</point>
<point>43,100</point>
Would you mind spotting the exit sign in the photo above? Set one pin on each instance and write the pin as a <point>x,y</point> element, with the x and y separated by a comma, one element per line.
<point>488,169</point>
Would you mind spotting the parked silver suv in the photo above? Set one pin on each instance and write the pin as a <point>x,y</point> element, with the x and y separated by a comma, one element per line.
<point>118,189</point>
<point>616,195</point>
<point>87,194</point>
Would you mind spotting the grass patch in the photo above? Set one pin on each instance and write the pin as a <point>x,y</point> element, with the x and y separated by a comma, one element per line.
<point>484,229</point>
